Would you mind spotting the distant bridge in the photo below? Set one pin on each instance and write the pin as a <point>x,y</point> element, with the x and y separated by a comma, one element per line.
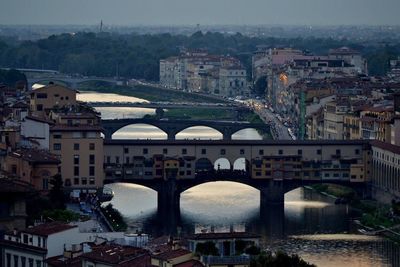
<point>166,105</point>
<point>173,127</point>
<point>69,81</point>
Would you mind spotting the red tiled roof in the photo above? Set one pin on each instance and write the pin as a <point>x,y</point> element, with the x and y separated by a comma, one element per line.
<point>386,146</point>
<point>34,118</point>
<point>47,229</point>
<point>35,156</point>
<point>114,254</point>
<point>190,263</point>
<point>61,261</point>
<point>172,254</point>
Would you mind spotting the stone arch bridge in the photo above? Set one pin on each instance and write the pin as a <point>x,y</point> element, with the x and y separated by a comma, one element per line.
<point>173,127</point>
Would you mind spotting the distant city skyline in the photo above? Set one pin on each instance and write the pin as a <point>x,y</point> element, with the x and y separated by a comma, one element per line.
<point>205,12</point>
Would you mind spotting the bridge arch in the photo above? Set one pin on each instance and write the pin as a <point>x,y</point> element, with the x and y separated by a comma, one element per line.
<point>247,133</point>
<point>140,131</point>
<point>222,164</point>
<point>206,132</point>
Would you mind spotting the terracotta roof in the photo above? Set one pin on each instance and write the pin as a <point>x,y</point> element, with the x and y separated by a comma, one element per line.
<point>35,156</point>
<point>47,229</point>
<point>172,254</point>
<point>85,128</point>
<point>114,254</point>
<point>190,263</point>
<point>228,235</point>
<point>61,261</point>
<point>386,146</point>
<point>14,186</point>
<point>34,118</point>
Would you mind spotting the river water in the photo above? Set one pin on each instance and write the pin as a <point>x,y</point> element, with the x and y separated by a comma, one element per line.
<point>310,225</point>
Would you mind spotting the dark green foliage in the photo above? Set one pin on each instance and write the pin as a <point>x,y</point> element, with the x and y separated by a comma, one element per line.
<point>280,259</point>
<point>11,77</point>
<point>252,250</point>
<point>207,248</point>
<point>56,194</point>
<point>260,87</point>
<point>60,215</point>
<point>137,56</point>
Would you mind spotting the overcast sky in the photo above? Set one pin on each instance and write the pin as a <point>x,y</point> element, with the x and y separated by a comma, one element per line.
<point>177,12</point>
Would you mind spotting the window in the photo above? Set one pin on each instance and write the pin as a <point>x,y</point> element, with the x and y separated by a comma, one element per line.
<point>39,241</point>
<point>84,181</point>
<point>91,180</point>
<point>165,151</point>
<point>117,159</point>
<point>203,151</point>
<point>76,146</point>
<point>188,172</point>
<point>23,261</point>
<point>39,107</point>
<point>145,151</point>
<point>92,158</point>
<point>338,152</point>
<point>30,262</point>
<point>25,239</point>
<point>38,263</point>
<point>67,182</point>
<point>241,151</point>
<point>8,256</point>
<point>126,150</point>
<point>76,159</point>
<point>91,170</point>
<point>184,151</point>
<point>357,152</point>
<point>126,160</point>
<point>16,259</point>
<point>299,152</point>
<point>45,183</point>
<point>108,159</point>
<point>57,146</point>
<point>280,152</point>
<point>57,136</point>
<point>189,165</point>
<point>91,146</point>
<point>41,95</point>
<point>76,170</point>
<point>319,152</point>
<point>261,152</point>
<point>223,151</point>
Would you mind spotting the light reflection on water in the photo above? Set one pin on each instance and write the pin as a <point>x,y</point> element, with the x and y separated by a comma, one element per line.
<point>314,227</point>
<point>91,96</point>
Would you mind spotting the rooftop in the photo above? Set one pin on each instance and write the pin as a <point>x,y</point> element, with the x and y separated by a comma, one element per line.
<point>83,128</point>
<point>47,229</point>
<point>114,254</point>
<point>172,254</point>
<point>386,146</point>
<point>35,156</point>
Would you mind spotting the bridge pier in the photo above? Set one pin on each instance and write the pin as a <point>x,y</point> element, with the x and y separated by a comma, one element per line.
<point>168,205</point>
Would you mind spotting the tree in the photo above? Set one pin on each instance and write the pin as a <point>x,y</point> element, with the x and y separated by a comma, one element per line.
<point>260,86</point>
<point>207,248</point>
<point>56,194</point>
<point>280,259</point>
<point>159,113</point>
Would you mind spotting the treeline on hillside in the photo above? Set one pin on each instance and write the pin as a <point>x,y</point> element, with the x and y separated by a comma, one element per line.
<point>137,56</point>
<point>11,77</point>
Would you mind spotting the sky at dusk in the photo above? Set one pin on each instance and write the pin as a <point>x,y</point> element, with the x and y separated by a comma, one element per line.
<point>178,12</point>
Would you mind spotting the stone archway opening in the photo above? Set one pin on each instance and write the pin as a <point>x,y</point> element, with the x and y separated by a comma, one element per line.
<point>140,131</point>
<point>247,134</point>
<point>199,133</point>
<point>222,164</point>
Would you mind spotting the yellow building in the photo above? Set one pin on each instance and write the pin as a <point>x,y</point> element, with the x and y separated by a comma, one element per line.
<point>81,150</point>
<point>46,98</point>
<point>33,166</point>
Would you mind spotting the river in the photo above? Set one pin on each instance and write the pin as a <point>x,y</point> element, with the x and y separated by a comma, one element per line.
<point>311,225</point>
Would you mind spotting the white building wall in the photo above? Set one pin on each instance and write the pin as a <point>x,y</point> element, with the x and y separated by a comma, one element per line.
<point>39,131</point>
